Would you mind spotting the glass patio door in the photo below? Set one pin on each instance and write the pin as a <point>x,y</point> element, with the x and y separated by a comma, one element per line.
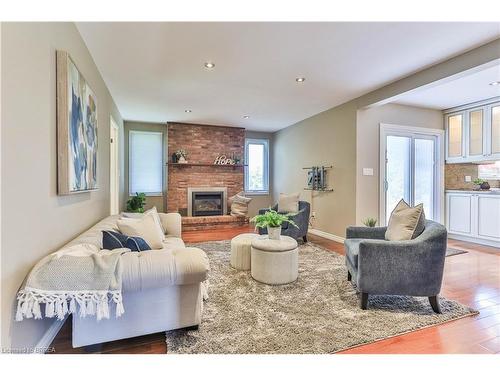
<point>410,172</point>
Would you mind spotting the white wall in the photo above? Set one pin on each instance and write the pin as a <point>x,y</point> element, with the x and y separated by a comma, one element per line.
<point>36,221</point>
<point>367,148</point>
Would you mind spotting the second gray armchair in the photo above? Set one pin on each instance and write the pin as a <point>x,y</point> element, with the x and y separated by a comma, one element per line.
<point>413,267</point>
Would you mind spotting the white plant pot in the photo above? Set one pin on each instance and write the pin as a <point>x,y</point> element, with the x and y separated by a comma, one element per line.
<point>274,233</point>
<point>182,160</point>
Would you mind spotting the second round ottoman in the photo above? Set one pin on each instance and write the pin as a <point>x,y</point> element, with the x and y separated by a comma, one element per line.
<point>275,261</point>
<point>240,251</point>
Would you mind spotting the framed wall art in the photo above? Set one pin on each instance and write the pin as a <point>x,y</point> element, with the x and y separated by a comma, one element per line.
<point>76,129</point>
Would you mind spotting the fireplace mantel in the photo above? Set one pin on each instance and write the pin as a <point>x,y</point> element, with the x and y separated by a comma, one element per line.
<point>203,145</point>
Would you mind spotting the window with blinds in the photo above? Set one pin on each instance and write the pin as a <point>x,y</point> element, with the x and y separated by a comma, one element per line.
<point>145,162</point>
<point>257,168</point>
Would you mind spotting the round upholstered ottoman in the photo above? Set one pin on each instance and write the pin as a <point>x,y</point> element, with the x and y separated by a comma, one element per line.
<point>275,261</point>
<point>240,250</point>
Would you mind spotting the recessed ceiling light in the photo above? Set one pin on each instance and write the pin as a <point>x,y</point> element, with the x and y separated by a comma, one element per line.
<point>300,79</point>
<point>188,111</point>
<point>246,116</point>
<point>495,83</point>
<point>209,65</point>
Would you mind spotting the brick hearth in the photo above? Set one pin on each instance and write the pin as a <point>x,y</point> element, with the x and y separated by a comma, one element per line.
<point>203,144</point>
<point>212,222</point>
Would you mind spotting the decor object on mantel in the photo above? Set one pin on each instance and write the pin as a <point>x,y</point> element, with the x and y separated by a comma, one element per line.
<point>316,178</point>
<point>272,220</point>
<point>181,156</point>
<point>480,184</point>
<point>226,160</point>
<point>76,129</point>
<point>136,203</point>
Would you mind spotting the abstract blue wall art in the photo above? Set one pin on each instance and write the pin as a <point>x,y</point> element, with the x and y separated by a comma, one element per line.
<point>76,129</point>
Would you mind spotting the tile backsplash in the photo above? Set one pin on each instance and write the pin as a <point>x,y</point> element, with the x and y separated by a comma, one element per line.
<point>455,176</point>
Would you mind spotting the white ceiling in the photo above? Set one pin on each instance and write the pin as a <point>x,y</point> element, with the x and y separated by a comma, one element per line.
<point>465,89</point>
<point>155,71</point>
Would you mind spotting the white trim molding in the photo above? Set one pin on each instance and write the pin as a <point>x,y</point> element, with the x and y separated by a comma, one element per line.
<point>470,239</point>
<point>265,143</point>
<point>327,235</point>
<point>44,344</point>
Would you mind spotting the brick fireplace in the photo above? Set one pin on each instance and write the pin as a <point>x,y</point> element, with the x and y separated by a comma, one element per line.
<point>203,144</point>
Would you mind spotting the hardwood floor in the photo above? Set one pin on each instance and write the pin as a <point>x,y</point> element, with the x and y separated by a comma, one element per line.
<point>472,279</point>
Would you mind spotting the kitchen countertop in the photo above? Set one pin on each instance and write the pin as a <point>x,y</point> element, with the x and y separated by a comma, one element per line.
<point>495,191</point>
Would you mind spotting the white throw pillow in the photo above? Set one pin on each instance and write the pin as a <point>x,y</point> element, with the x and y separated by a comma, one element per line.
<point>288,202</point>
<point>405,222</point>
<point>239,205</point>
<point>153,212</point>
<point>145,227</point>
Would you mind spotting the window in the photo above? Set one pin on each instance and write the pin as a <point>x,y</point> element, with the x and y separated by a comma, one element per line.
<point>145,162</point>
<point>489,171</point>
<point>257,169</point>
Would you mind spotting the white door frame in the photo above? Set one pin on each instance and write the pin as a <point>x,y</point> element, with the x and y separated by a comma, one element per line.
<point>114,167</point>
<point>411,131</point>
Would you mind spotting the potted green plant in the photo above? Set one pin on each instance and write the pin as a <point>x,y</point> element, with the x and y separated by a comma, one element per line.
<point>181,156</point>
<point>478,183</point>
<point>370,222</point>
<point>136,203</point>
<point>272,220</point>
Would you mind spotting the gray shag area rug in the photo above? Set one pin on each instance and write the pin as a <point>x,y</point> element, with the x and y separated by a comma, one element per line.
<point>318,313</point>
<point>451,251</point>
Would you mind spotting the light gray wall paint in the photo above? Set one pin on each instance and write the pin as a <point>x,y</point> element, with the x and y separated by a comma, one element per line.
<point>262,201</point>
<point>328,138</point>
<point>367,146</point>
<point>39,221</point>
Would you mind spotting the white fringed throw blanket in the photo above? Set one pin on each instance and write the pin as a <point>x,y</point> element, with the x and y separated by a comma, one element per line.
<point>77,278</point>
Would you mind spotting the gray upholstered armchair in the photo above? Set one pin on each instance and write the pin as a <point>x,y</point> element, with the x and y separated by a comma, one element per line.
<point>301,219</point>
<point>413,267</point>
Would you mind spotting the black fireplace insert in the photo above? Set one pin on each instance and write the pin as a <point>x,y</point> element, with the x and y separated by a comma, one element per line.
<point>207,203</point>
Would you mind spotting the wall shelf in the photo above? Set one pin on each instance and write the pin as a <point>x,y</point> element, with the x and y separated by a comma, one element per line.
<point>207,165</point>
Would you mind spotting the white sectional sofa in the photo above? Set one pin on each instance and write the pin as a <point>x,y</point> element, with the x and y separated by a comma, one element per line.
<point>162,289</point>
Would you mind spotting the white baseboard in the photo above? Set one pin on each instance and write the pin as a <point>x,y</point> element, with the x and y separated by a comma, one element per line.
<point>49,336</point>
<point>327,235</point>
<point>480,241</point>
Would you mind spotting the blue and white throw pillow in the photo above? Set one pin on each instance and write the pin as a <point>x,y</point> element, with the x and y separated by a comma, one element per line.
<point>137,244</point>
<point>114,240</point>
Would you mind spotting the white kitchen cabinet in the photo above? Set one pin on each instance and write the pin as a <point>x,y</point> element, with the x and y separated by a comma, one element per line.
<point>460,213</point>
<point>488,216</point>
<point>474,216</point>
<point>455,136</point>
<point>493,131</point>
<point>473,133</point>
